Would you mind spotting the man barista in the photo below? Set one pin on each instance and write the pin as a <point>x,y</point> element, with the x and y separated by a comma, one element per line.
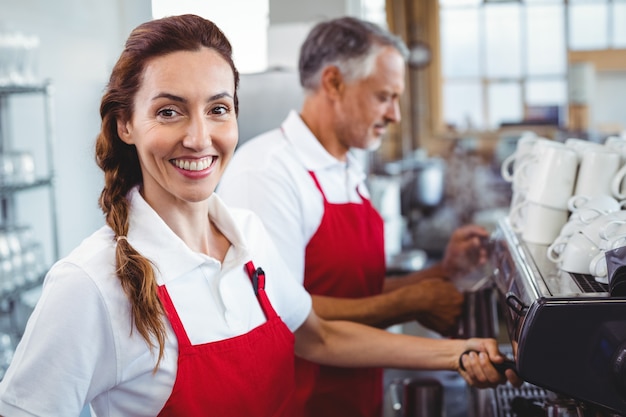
<point>307,187</point>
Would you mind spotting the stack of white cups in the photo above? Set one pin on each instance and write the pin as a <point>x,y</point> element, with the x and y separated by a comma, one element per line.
<point>516,168</point>
<point>543,182</point>
<point>550,180</point>
<point>587,232</point>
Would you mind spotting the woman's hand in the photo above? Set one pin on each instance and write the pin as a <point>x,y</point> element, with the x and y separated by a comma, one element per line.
<point>476,365</point>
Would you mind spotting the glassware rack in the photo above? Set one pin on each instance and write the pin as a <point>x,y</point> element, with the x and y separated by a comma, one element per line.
<point>28,218</point>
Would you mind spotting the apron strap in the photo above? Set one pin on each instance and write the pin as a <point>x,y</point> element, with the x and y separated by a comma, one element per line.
<point>317,184</point>
<point>257,276</point>
<point>175,321</point>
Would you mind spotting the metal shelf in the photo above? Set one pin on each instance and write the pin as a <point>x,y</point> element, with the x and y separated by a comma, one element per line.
<point>7,189</point>
<point>25,89</point>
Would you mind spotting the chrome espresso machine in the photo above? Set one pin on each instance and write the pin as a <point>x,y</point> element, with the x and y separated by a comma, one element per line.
<point>567,333</point>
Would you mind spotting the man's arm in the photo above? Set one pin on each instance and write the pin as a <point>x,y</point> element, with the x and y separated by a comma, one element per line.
<point>437,299</point>
<point>466,251</point>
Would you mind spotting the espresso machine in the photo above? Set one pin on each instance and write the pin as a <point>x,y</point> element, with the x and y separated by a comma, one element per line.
<point>567,334</point>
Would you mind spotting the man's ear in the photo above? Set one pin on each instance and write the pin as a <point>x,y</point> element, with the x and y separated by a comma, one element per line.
<point>332,81</point>
<point>123,131</point>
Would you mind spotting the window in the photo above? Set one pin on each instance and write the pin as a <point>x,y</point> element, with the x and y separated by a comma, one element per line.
<point>503,38</point>
<point>588,25</point>
<point>617,23</point>
<point>374,11</point>
<point>502,57</point>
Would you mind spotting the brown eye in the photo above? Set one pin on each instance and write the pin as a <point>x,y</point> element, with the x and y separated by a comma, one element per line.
<point>220,109</point>
<point>167,112</point>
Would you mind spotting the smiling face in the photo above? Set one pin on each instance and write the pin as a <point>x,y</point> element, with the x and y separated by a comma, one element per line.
<point>183,126</point>
<point>369,104</point>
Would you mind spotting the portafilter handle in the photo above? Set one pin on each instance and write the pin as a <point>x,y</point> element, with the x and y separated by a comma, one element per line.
<point>500,367</point>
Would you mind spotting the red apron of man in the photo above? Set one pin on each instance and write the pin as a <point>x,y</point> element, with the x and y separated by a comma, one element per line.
<point>244,376</point>
<point>344,258</point>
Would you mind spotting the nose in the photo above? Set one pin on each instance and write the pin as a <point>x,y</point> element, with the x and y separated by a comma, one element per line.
<point>198,134</point>
<point>393,111</point>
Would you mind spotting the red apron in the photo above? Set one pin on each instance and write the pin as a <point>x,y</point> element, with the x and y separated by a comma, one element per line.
<point>344,258</point>
<point>244,376</point>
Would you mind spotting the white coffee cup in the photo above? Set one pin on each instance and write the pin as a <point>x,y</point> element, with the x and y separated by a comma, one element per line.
<point>572,226</point>
<point>553,177</point>
<point>523,154</point>
<point>577,254</point>
<point>581,146</point>
<point>618,144</point>
<point>517,211</point>
<point>598,267</point>
<point>520,167</point>
<point>556,248</point>
<point>602,227</point>
<point>618,185</point>
<point>597,171</point>
<point>541,224</point>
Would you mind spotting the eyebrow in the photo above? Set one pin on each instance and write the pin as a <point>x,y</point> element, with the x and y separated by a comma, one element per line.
<point>183,100</point>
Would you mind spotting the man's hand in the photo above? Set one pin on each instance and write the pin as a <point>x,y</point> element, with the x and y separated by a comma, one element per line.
<point>465,251</point>
<point>436,303</point>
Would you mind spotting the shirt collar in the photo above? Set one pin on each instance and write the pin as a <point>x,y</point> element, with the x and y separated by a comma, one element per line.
<point>311,152</point>
<point>154,239</point>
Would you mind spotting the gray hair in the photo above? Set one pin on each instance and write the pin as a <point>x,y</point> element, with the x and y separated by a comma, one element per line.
<point>348,43</point>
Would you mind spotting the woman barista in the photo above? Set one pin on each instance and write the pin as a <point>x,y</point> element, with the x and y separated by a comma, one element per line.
<point>180,306</point>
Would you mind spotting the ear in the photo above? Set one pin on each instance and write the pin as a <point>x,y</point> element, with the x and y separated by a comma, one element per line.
<point>123,131</point>
<point>332,81</point>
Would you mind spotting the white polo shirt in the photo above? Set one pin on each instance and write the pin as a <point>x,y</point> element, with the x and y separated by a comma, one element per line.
<point>269,175</point>
<point>79,346</point>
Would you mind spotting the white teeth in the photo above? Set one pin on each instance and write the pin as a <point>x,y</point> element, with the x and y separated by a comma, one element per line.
<point>194,165</point>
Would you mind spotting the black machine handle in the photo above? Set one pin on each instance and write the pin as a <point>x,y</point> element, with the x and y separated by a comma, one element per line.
<point>500,367</point>
<point>516,304</point>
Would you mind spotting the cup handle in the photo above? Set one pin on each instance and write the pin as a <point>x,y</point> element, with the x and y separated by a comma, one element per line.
<point>515,216</point>
<point>506,169</point>
<point>604,230</point>
<point>576,201</point>
<point>597,268</point>
<point>590,218</point>
<point>555,250</point>
<point>616,184</point>
<point>617,241</point>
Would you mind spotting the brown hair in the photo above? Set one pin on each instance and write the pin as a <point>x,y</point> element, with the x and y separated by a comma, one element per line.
<point>120,162</point>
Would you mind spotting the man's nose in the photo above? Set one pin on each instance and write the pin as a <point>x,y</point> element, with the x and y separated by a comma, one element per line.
<point>393,112</point>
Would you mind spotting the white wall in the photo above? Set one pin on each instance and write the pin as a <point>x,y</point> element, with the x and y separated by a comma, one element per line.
<point>80,41</point>
<point>291,20</point>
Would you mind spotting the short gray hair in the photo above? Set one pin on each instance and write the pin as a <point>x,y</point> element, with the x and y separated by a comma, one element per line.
<point>348,43</point>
